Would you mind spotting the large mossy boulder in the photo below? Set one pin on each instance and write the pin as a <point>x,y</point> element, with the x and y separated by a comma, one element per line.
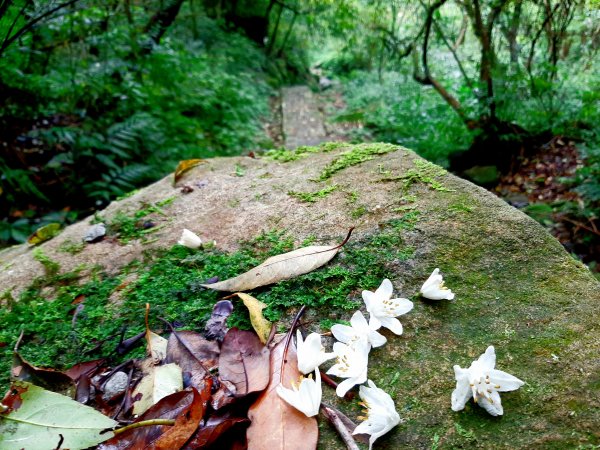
<point>516,288</point>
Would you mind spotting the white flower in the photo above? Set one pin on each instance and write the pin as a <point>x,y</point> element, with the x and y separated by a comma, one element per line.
<point>482,382</point>
<point>189,239</point>
<point>351,364</point>
<point>358,329</point>
<point>306,398</point>
<point>384,308</point>
<point>311,354</point>
<point>434,288</point>
<point>381,413</point>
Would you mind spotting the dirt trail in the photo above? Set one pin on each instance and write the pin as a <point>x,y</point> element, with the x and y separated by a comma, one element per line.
<point>302,120</point>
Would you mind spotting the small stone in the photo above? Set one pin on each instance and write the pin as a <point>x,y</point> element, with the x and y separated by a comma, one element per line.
<point>95,233</point>
<point>115,386</point>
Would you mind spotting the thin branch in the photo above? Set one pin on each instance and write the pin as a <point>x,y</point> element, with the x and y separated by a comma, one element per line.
<point>28,26</point>
<point>440,32</point>
<point>340,427</point>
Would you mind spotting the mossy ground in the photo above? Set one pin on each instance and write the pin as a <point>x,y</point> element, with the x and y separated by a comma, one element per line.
<point>169,281</point>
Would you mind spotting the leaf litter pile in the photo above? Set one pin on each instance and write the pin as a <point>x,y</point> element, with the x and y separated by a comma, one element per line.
<point>215,389</point>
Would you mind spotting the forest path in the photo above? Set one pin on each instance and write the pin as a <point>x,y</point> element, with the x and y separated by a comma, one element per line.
<point>302,121</point>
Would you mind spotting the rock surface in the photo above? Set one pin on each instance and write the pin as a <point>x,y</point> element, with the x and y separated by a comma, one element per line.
<point>516,288</point>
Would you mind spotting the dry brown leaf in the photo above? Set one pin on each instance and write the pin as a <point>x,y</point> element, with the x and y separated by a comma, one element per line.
<point>49,379</point>
<point>184,166</point>
<point>255,307</point>
<point>194,354</point>
<point>244,362</point>
<point>275,424</point>
<point>157,347</point>
<point>278,268</point>
<point>157,383</point>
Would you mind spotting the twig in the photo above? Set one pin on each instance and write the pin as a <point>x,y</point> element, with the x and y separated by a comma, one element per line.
<point>145,423</point>
<point>582,225</point>
<point>340,427</point>
<point>288,339</point>
<point>16,349</point>
<point>148,339</point>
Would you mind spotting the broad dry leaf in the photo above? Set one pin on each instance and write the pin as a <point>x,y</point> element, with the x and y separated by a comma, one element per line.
<point>244,362</point>
<point>186,407</point>
<point>194,354</point>
<point>215,427</point>
<point>37,418</point>
<point>184,166</point>
<point>275,424</point>
<point>50,379</point>
<point>157,383</point>
<point>156,346</point>
<point>278,268</point>
<point>255,307</point>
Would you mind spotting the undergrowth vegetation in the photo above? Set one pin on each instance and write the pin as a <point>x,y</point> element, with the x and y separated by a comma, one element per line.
<point>102,113</point>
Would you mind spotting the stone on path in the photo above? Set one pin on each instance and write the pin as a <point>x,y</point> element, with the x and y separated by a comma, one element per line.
<point>516,288</point>
<point>302,120</point>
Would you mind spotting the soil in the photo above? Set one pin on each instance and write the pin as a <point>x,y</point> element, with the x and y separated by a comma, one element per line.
<point>538,180</point>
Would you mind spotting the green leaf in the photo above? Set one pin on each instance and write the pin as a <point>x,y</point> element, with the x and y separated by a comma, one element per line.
<point>36,419</point>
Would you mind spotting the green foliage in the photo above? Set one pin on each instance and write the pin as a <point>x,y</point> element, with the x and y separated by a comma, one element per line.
<point>397,110</point>
<point>113,115</point>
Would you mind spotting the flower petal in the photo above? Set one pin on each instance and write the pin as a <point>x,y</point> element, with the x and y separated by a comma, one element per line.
<point>392,324</point>
<point>487,361</point>
<point>368,298</point>
<point>462,391</point>
<point>385,290</point>
<point>358,321</point>
<point>345,386</point>
<point>494,407</point>
<point>400,306</point>
<point>343,333</point>
<point>506,381</point>
<point>376,339</point>
<point>374,323</point>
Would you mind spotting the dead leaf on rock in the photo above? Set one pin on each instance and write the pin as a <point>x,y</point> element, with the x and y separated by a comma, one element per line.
<point>275,424</point>
<point>255,307</point>
<point>44,233</point>
<point>214,428</point>
<point>50,379</point>
<point>194,354</point>
<point>280,267</point>
<point>186,407</point>
<point>156,347</point>
<point>184,166</point>
<point>244,362</point>
<point>157,383</point>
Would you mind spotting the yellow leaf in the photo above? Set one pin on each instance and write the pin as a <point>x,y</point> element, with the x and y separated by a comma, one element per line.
<point>44,233</point>
<point>255,307</point>
<point>184,166</point>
